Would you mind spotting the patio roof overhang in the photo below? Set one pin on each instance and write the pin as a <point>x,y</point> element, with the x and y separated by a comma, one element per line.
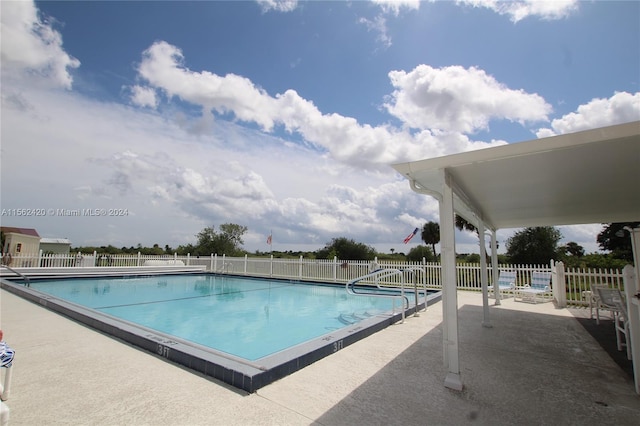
<point>585,177</point>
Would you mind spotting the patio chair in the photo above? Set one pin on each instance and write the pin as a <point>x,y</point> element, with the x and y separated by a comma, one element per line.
<point>6,363</point>
<point>5,386</point>
<point>538,290</point>
<point>506,284</point>
<point>613,300</point>
<point>595,303</point>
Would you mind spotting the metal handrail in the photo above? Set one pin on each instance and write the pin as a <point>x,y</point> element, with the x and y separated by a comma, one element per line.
<point>17,273</point>
<point>376,275</point>
<point>412,271</point>
<point>225,268</point>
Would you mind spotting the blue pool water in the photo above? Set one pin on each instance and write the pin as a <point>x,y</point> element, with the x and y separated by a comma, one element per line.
<point>245,317</point>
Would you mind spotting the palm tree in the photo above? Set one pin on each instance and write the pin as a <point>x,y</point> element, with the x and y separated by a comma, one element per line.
<point>462,224</point>
<point>431,235</point>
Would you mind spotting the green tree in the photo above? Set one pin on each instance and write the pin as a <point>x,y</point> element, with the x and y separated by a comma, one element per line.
<point>615,238</point>
<point>416,254</point>
<point>571,254</point>
<point>573,249</point>
<point>228,241</point>
<point>534,245</point>
<point>431,235</point>
<point>346,249</point>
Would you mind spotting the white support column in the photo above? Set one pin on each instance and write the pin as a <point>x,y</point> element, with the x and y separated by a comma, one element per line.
<point>633,310</point>
<point>559,288</point>
<point>494,267</point>
<point>449,288</point>
<point>486,322</point>
<point>631,277</point>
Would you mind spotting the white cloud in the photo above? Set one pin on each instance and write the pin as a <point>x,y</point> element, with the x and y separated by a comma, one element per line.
<point>379,26</point>
<point>102,155</point>
<point>622,107</point>
<point>343,138</point>
<point>176,174</point>
<point>144,97</point>
<point>395,6</point>
<point>29,43</point>
<point>278,5</point>
<point>518,10</point>
<point>459,99</point>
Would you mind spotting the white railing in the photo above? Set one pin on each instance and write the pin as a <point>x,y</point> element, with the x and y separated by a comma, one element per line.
<point>576,280</point>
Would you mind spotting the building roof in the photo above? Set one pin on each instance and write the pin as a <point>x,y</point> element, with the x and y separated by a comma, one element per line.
<point>54,241</point>
<point>24,231</point>
<point>585,177</point>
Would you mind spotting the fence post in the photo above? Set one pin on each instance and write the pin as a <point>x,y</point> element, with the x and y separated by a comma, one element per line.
<point>139,254</point>
<point>300,269</point>
<point>271,267</point>
<point>245,263</point>
<point>559,285</point>
<point>214,263</point>
<point>188,259</point>
<point>335,269</point>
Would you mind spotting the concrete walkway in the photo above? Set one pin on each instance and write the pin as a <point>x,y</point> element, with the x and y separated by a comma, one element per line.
<point>535,366</point>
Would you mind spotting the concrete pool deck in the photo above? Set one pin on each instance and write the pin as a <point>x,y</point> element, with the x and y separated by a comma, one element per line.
<point>536,365</point>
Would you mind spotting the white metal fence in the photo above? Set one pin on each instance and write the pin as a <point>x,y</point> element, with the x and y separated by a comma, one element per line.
<point>428,274</point>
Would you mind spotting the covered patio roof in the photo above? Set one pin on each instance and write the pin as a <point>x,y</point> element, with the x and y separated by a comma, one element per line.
<point>585,177</point>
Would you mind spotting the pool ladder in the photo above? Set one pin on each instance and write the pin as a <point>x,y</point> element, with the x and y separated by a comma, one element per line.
<point>24,277</point>
<point>376,276</point>
<point>224,269</point>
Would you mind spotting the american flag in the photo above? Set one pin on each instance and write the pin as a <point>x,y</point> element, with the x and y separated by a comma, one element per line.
<point>269,239</point>
<point>410,236</point>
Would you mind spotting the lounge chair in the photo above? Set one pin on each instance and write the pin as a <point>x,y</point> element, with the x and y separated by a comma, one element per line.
<point>506,284</point>
<point>6,363</point>
<point>595,303</point>
<point>612,299</point>
<point>538,290</point>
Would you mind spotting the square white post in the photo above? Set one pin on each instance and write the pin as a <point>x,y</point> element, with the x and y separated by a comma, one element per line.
<point>486,321</point>
<point>449,288</point>
<point>494,267</point>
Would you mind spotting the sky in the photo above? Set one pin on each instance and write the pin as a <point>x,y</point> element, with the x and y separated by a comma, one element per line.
<point>129,123</point>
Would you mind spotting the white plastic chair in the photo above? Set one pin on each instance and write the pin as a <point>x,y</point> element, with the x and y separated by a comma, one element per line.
<point>612,299</point>
<point>539,289</point>
<point>594,302</point>
<point>5,385</point>
<point>506,284</point>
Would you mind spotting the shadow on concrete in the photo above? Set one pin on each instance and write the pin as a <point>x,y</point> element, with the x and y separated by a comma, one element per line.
<point>605,335</point>
<point>529,368</point>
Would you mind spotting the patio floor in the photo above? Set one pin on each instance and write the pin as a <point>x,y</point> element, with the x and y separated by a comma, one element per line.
<point>537,365</point>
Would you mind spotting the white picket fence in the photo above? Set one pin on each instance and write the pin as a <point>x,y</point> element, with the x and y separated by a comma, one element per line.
<point>576,281</point>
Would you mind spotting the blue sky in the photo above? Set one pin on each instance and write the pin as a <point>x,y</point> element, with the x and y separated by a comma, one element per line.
<point>284,116</point>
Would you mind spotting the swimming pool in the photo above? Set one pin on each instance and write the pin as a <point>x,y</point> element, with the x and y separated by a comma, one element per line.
<point>244,331</point>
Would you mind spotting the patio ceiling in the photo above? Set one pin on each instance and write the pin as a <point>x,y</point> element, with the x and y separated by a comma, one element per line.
<point>586,177</point>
